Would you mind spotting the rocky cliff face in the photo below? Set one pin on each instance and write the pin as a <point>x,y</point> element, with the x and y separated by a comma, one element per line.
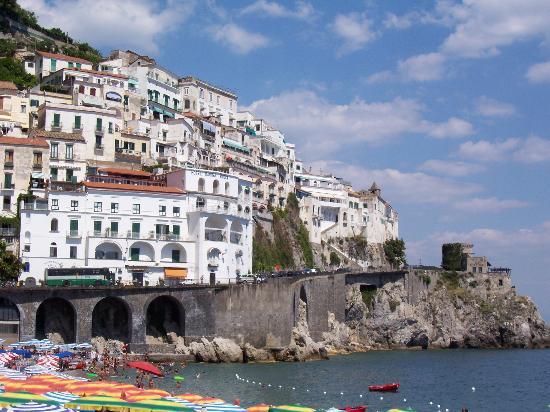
<point>460,310</point>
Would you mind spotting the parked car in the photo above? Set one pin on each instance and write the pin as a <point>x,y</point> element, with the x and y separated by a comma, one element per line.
<point>247,278</point>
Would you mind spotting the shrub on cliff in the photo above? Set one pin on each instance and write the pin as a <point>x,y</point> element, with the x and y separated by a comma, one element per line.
<point>13,71</point>
<point>394,249</point>
<point>10,266</point>
<point>452,256</point>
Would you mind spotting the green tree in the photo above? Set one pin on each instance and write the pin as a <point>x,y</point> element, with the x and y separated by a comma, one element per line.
<point>13,71</point>
<point>334,259</point>
<point>7,47</point>
<point>394,249</point>
<point>452,257</point>
<point>10,266</point>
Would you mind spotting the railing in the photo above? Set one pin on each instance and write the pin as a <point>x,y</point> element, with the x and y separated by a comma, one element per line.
<point>214,235</point>
<point>213,262</point>
<point>35,206</point>
<point>167,236</point>
<point>56,126</point>
<point>7,186</point>
<point>162,84</point>
<point>73,234</point>
<point>37,165</point>
<point>77,128</point>
<point>99,130</point>
<point>8,165</point>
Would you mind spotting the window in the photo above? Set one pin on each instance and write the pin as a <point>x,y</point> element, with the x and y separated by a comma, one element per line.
<point>54,150</point>
<point>114,207</point>
<point>8,158</point>
<point>69,152</point>
<point>7,181</point>
<point>99,124</point>
<point>110,127</point>
<point>81,89</point>
<point>176,230</point>
<point>73,227</point>
<point>55,204</point>
<point>74,205</point>
<point>53,65</point>
<point>53,173</point>
<point>175,255</point>
<point>134,253</point>
<point>187,103</point>
<point>78,122</point>
<point>37,159</point>
<point>98,206</point>
<point>23,108</point>
<point>136,208</point>
<point>162,210</point>
<point>201,185</point>
<point>227,188</point>
<point>201,93</point>
<point>35,103</point>
<point>97,227</point>
<point>53,249</point>
<point>230,104</point>
<point>176,211</point>
<point>215,187</point>
<point>217,99</point>
<point>72,252</point>
<point>164,134</point>
<point>143,147</point>
<point>54,227</point>
<point>114,228</point>
<point>210,96</point>
<point>56,120</point>
<point>166,100</point>
<point>69,175</point>
<point>6,203</point>
<point>71,64</point>
<point>186,90</point>
<point>135,229</point>
<point>200,202</point>
<point>92,91</point>
<point>78,65</point>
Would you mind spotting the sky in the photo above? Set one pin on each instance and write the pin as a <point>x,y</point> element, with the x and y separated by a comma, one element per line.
<point>445,104</point>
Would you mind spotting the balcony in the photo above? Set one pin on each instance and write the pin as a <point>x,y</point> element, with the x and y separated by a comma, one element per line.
<point>56,127</point>
<point>214,235</point>
<point>35,205</point>
<point>77,128</point>
<point>99,130</point>
<point>163,85</point>
<point>9,186</point>
<point>168,236</point>
<point>215,262</point>
<point>98,150</point>
<point>73,234</point>
<point>37,166</point>
<point>8,165</point>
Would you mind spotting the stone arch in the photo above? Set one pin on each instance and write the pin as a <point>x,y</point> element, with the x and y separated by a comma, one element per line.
<point>108,250</point>
<point>214,228</point>
<point>301,308</point>
<point>215,186</point>
<point>112,319</point>
<point>145,252</point>
<point>201,185</point>
<point>164,315</point>
<point>227,188</point>
<point>236,232</point>
<point>166,254</point>
<point>58,316</point>
<point>10,324</point>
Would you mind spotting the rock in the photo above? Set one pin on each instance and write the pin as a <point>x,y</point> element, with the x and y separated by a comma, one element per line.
<point>203,351</point>
<point>100,345</point>
<point>56,338</point>
<point>227,350</point>
<point>252,354</point>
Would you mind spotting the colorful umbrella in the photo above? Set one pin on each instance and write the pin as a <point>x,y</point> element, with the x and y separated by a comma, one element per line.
<point>290,408</point>
<point>191,397</point>
<point>262,407</point>
<point>158,405</point>
<point>61,397</point>
<point>179,378</point>
<point>97,403</point>
<point>38,407</point>
<point>401,410</point>
<point>146,367</point>
<point>10,398</point>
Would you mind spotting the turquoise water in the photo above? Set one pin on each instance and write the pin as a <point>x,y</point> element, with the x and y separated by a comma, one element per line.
<point>504,380</point>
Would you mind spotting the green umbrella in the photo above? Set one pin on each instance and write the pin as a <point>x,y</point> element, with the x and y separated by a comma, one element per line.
<point>91,375</point>
<point>179,378</point>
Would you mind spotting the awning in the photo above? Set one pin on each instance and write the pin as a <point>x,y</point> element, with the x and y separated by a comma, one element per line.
<point>39,175</point>
<point>208,126</point>
<point>233,144</point>
<point>113,96</point>
<point>133,81</point>
<point>175,273</point>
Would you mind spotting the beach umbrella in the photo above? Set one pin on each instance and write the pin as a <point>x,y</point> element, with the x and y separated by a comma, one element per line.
<point>209,401</point>
<point>65,354</point>
<point>224,407</point>
<point>98,403</point>
<point>262,407</point>
<point>11,374</point>
<point>61,397</point>
<point>22,352</point>
<point>11,398</point>
<point>92,375</point>
<point>146,367</point>
<point>160,405</point>
<point>24,386</point>
<point>38,407</point>
<point>191,397</point>
<point>401,410</point>
<point>290,408</point>
<point>179,378</point>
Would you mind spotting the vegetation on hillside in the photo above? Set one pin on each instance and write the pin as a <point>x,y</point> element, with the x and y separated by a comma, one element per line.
<point>10,266</point>
<point>452,256</point>
<point>289,246</point>
<point>13,71</point>
<point>394,249</point>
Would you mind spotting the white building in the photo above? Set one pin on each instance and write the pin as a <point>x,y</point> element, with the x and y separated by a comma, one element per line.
<point>141,230</point>
<point>46,63</point>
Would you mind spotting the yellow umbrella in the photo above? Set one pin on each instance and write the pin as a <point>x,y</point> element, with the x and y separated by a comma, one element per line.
<point>10,398</point>
<point>259,408</point>
<point>97,403</point>
<point>290,408</point>
<point>158,405</point>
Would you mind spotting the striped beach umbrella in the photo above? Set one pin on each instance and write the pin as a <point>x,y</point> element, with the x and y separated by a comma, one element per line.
<point>158,405</point>
<point>189,397</point>
<point>61,397</point>
<point>98,403</point>
<point>12,374</point>
<point>224,407</point>
<point>15,398</point>
<point>37,407</point>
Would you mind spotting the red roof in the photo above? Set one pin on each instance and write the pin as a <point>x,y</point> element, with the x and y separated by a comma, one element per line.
<point>125,172</point>
<point>63,57</point>
<point>134,188</point>
<point>120,76</point>
<point>24,141</point>
<point>7,85</point>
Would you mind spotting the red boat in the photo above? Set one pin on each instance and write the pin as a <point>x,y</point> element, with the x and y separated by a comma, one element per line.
<point>360,408</point>
<point>389,387</point>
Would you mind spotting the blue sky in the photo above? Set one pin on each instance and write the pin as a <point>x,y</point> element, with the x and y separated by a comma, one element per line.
<point>444,103</point>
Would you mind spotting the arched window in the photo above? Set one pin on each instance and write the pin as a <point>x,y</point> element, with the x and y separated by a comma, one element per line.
<point>81,89</point>
<point>247,209</point>
<point>53,249</point>
<point>92,92</point>
<point>227,188</point>
<point>215,187</point>
<point>187,104</point>
<point>54,225</point>
<point>200,202</point>
<point>201,185</point>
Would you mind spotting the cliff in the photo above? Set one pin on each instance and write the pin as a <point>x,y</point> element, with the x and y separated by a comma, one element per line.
<point>456,310</point>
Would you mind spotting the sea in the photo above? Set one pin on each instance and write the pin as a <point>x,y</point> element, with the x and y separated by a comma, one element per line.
<point>433,380</point>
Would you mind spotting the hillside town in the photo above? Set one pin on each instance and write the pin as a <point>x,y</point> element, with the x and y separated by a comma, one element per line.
<point>157,178</point>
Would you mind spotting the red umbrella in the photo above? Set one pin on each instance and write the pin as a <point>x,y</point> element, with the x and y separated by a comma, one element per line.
<point>146,367</point>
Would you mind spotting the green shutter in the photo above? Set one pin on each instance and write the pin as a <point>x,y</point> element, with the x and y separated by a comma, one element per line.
<point>175,255</point>
<point>143,147</point>
<point>77,120</point>
<point>56,119</point>
<point>98,123</point>
<point>74,225</point>
<point>97,226</point>
<point>134,253</point>
<point>114,227</point>
<point>71,64</point>
<point>53,64</point>
<point>135,227</point>
<point>176,230</point>
<point>7,180</point>
<point>78,65</point>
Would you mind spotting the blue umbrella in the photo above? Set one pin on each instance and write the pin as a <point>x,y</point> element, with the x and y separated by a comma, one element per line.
<point>65,354</point>
<point>22,352</point>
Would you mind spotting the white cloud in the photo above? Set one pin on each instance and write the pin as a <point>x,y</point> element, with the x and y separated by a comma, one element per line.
<point>483,27</point>
<point>450,168</point>
<point>265,8</point>
<point>488,204</point>
<point>319,126</point>
<point>420,68</point>
<point>484,150</point>
<point>533,150</point>
<point>488,107</point>
<point>403,187</point>
<point>355,31</point>
<point>539,73</point>
<point>135,24</point>
<point>393,21</point>
<point>423,67</point>
<point>237,39</point>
